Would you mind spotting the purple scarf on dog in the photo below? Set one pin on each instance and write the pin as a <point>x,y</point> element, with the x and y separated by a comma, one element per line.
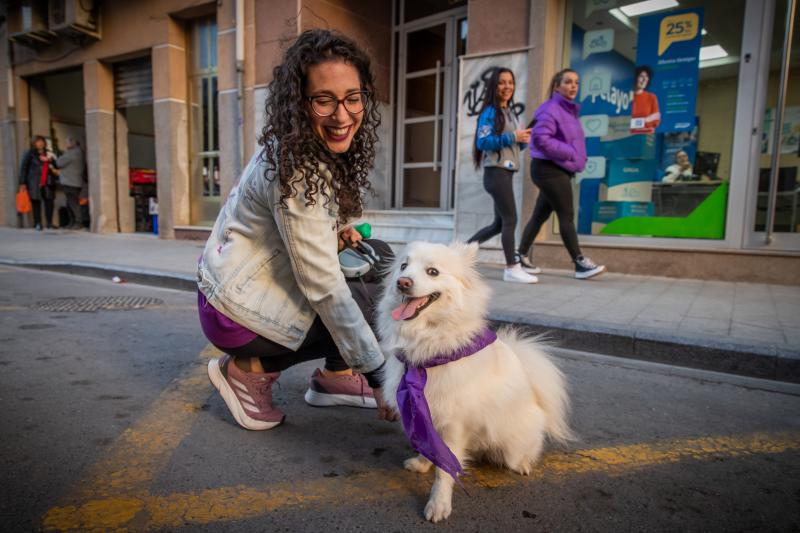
<point>416,414</point>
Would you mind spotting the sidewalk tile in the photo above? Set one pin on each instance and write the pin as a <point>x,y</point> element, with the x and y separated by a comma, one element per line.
<point>755,333</point>
<point>705,325</point>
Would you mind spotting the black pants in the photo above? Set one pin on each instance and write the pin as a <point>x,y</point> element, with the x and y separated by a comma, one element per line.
<point>48,212</point>
<point>498,183</point>
<point>555,194</point>
<point>73,204</point>
<point>319,343</point>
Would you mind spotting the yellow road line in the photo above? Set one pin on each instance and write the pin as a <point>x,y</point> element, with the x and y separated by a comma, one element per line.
<point>144,449</point>
<point>116,494</point>
<point>150,512</point>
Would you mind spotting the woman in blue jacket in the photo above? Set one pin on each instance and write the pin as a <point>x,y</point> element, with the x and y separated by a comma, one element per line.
<point>497,144</point>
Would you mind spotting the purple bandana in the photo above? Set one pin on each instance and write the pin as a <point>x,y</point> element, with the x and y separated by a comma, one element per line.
<point>416,414</point>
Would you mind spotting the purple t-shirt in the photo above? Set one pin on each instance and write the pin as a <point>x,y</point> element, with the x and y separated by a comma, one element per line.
<point>219,329</point>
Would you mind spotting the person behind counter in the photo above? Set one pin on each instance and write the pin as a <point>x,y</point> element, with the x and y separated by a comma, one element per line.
<point>681,170</point>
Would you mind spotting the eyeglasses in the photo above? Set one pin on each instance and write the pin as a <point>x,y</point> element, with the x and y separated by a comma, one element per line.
<point>325,106</point>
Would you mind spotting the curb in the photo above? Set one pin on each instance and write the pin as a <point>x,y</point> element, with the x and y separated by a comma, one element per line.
<point>155,278</point>
<point>754,361</point>
<point>742,360</point>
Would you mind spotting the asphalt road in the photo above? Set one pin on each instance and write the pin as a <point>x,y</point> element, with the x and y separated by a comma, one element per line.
<point>109,424</point>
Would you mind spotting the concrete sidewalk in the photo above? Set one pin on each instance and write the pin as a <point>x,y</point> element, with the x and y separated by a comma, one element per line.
<point>742,328</point>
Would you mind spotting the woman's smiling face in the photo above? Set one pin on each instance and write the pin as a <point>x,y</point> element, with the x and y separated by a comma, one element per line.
<point>335,79</point>
<point>642,81</point>
<point>505,87</point>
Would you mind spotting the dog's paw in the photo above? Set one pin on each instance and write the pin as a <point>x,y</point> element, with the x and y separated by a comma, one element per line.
<point>523,469</point>
<point>438,509</point>
<point>417,464</point>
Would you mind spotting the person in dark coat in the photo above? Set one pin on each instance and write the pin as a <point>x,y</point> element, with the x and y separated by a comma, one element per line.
<point>36,174</point>
<point>72,167</point>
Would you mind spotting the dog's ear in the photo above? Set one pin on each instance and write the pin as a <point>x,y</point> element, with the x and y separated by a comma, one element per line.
<point>469,251</point>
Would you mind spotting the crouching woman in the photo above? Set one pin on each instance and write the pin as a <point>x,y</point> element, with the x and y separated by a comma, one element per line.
<point>271,292</point>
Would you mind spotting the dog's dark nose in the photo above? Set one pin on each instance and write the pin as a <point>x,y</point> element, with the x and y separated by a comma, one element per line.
<point>404,283</point>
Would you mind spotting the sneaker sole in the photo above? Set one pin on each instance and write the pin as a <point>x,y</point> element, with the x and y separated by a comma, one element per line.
<point>321,399</point>
<point>591,273</point>
<point>219,381</point>
<point>533,282</point>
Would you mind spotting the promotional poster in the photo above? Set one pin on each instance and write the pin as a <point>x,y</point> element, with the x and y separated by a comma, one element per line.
<point>666,73</point>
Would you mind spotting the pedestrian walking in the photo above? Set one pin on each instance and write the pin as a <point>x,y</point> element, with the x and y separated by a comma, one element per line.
<point>72,168</point>
<point>37,176</point>
<point>558,151</point>
<point>271,290</point>
<point>498,139</point>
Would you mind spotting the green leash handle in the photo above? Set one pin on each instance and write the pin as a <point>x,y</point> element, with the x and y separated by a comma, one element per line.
<point>365,229</point>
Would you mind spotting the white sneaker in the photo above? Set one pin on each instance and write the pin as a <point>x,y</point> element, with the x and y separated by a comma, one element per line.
<point>515,274</point>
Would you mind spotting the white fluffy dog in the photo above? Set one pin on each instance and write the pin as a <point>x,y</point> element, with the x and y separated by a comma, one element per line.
<point>501,401</point>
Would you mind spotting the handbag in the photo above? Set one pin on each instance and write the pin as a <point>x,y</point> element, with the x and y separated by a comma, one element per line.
<point>23,202</point>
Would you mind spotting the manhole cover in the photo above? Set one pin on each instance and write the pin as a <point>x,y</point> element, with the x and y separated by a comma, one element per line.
<point>96,303</point>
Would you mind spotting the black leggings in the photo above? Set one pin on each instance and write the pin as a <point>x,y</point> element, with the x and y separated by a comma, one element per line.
<point>48,212</point>
<point>318,342</point>
<point>555,194</point>
<point>498,183</point>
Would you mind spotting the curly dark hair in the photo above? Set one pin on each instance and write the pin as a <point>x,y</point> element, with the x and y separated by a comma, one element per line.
<point>490,99</point>
<point>297,147</point>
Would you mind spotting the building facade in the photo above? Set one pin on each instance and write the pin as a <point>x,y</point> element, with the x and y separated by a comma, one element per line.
<point>166,96</point>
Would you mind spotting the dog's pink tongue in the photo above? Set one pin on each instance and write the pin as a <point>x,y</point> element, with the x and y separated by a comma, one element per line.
<point>408,308</point>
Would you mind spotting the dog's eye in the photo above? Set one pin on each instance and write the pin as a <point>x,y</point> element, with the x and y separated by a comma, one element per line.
<point>432,272</point>
<point>403,266</point>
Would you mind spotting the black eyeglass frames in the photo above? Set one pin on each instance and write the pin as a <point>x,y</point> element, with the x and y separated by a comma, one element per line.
<point>325,105</point>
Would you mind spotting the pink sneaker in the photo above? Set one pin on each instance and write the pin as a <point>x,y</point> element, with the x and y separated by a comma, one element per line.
<point>340,390</point>
<point>248,395</point>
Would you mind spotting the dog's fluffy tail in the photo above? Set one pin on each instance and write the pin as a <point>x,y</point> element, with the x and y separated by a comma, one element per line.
<point>547,380</point>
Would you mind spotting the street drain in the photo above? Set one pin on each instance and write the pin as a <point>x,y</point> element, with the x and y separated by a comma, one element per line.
<point>97,303</point>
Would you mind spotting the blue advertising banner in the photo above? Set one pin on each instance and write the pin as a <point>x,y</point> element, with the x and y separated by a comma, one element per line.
<point>665,83</point>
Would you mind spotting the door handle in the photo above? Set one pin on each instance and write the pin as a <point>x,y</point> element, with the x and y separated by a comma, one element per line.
<point>436,119</point>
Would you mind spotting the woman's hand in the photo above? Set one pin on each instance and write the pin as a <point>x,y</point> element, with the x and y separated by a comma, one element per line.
<point>523,136</point>
<point>348,236</point>
<point>384,411</point>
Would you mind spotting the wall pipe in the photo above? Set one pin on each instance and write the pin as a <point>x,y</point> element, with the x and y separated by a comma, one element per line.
<point>240,84</point>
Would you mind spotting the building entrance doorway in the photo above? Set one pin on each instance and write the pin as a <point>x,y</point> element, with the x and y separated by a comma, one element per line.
<point>427,103</point>
<point>136,148</point>
<point>56,113</point>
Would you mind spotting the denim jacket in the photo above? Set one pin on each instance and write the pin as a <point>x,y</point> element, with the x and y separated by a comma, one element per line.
<point>274,269</point>
<point>500,149</point>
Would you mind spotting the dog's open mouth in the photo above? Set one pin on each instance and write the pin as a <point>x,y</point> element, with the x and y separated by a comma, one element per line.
<point>411,307</point>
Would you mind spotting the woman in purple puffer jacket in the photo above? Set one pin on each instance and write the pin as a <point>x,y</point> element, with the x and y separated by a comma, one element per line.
<point>558,152</point>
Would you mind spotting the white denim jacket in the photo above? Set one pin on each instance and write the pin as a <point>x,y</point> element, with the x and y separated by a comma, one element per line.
<point>273,269</point>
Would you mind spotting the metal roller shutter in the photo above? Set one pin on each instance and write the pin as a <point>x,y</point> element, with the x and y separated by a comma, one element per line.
<point>133,83</point>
